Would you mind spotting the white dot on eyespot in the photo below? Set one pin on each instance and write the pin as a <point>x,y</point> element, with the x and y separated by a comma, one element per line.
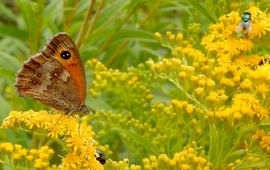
<point>55,74</point>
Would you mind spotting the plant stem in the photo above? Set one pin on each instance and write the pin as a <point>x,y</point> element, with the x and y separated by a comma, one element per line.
<point>100,6</point>
<point>81,36</point>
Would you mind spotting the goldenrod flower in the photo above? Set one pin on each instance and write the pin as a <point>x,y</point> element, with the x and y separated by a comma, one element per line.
<point>78,140</point>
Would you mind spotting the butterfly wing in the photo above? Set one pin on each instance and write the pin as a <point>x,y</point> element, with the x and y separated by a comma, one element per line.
<point>63,43</point>
<point>56,82</point>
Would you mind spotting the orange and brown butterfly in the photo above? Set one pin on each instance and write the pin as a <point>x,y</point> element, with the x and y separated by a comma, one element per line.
<point>55,76</point>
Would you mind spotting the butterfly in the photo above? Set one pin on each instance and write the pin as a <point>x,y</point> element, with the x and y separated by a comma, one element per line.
<point>55,76</point>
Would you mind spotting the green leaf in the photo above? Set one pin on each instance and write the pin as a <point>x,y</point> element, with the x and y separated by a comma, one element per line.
<point>135,34</point>
<point>8,62</point>
<point>7,12</point>
<point>196,4</point>
<point>5,108</point>
<point>6,30</point>
<point>143,142</point>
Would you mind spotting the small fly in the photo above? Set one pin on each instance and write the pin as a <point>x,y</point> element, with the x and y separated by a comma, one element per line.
<point>244,28</point>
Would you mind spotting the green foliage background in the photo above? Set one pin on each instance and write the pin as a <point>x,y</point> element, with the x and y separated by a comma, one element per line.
<point>119,33</point>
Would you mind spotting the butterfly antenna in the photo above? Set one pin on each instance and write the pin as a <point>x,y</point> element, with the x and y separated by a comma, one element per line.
<point>56,121</point>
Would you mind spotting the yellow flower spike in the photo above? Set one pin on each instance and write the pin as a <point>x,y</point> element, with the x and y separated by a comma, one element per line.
<point>185,167</point>
<point>22,152</point>
<point>7,147</point>
<point>71,161</point>
<point>17,147</point>
<point>147,167</point>
<point>179,37</point>
<point>194,79</point>
<point>29,157</point>
<point>75,143</point>
<point>33,151</point>
<point>202,161</point>
<point>189,108</point>
<point>189,69</point>
<point>202,82</point>
<point>146,161</point>
<point>154,165</point>
<point>17,156</point>
<point>262,89</point>
<point>158,36</point>
<point>163,157</point>
<point>44,156</point>
<point>38,163</point>
<point>51,151</point>
<point>172,163</point>
<point>168,34</point>
<point>182,75</point>
<point>79,142</point>
<point>172,38</point>
<point>238,161</point>
<point>195,160</point>
<point>246,84</point>
<point>195,64</point>
<point>266,140</point>
<point>210,83</point>
<point>199,91</point>
<point>198,130</point>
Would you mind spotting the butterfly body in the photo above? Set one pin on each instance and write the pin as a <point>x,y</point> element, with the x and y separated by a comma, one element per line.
<point>55,76</point>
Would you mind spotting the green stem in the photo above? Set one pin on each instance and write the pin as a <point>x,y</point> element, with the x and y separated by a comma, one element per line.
<point>189,96</point>
<point>91,26</point>
<point>85,23</point>
<point>107,43</point>
<point>124,44</point>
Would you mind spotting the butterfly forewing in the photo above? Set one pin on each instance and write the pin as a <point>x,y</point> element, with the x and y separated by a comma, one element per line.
<point>60,44</point>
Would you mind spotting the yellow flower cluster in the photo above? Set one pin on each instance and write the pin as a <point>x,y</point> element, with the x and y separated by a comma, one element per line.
<point>128,86</point>
<point>187,159</point>
<point>76,138</point>
<point>264,140</point>
<point>37,158</point>
<point>222,38</point>
<point>123,164</point>
<point>245,107</point>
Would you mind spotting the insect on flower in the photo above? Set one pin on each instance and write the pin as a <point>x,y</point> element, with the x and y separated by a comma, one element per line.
<point>263,61</point>
<point>100,157</point>
<point>244,28</point>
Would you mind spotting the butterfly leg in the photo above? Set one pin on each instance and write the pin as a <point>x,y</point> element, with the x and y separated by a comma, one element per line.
<point>73,114</point>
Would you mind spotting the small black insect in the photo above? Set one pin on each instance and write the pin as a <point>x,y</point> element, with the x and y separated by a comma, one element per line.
<point>264,61</point>
<point>100,157</point>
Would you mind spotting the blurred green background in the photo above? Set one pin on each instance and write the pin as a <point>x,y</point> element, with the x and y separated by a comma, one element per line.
<point>119,33</point>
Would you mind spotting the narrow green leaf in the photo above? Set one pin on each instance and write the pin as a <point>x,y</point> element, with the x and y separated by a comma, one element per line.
<point>196,4</point>
<point>7,12</point>
<point>9,62</point>
<point>6,30</point>
<point>147,145</point>
<point>5,108</point>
